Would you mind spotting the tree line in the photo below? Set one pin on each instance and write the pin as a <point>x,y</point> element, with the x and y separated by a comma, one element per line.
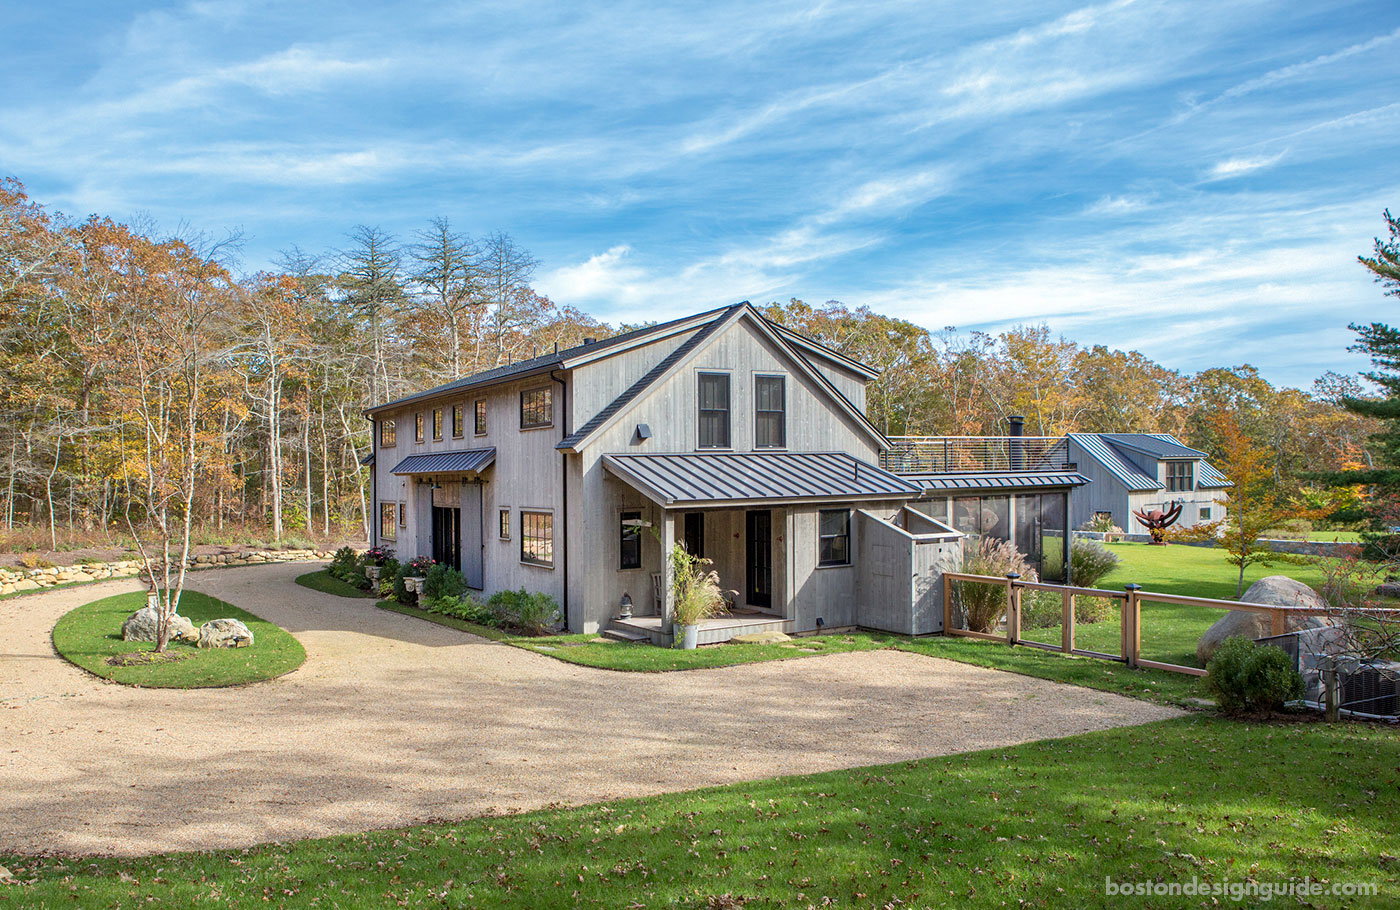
<point>145,376</point>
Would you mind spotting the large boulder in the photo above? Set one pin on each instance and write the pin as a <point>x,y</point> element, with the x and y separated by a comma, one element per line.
<point>225,633</point>
<point>142,625</point>
<point>1274,590</point>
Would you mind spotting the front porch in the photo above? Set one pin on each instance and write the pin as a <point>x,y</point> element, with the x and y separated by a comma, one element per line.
<point>712,631</point>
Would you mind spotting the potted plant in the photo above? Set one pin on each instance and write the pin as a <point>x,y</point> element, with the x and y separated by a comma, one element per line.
<point>697,595</point>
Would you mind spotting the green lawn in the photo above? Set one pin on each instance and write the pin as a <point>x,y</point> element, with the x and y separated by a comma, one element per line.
<point>1170,631</point>
<point>322,580</point>
<point>593,651</point>
<point>90,634</point>
<point>1038,825</point>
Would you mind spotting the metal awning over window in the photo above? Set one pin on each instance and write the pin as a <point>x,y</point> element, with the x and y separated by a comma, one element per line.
<point>732,479</point>
<point>464,462</point>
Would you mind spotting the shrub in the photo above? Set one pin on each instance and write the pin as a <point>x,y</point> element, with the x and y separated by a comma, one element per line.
<point>444,581</point>
<point>1244,676</point>
<point>343,562</point>
<point>1089,562</point>
<point>520,611</point>
<point>697,591</point>
<point>388,577</point>
<point>1291,529</point>
<point>35,561</point>
<point>985,604</point>
<point>1041,609</point>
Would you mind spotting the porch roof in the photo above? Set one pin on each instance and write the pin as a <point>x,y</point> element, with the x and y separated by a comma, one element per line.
<point>465,461</point>
<point>1027,480</point>
<point>754,477</point>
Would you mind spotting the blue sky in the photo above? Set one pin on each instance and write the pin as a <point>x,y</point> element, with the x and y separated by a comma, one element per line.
<point>1192,180</point>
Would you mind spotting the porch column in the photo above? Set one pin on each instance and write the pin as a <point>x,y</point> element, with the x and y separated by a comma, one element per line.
<point>668,591</point>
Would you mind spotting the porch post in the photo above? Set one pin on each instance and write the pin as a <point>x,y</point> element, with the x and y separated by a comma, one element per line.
<point>668,591</point>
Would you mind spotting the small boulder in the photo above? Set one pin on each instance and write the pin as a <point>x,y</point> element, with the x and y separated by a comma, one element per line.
<point>1274,590</point>
<point>142,625</point>
<point>225,633</point>
<point>760,638</point>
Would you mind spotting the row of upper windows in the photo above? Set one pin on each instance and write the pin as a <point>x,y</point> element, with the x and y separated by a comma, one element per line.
<point>714,411</point>
<point>536,410</point>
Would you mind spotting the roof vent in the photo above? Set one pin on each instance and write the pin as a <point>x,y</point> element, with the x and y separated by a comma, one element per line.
<point>589,340</point>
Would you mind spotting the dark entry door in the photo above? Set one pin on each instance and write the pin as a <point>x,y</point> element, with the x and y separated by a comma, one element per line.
<point>447,536</point>
<point>759,558</point>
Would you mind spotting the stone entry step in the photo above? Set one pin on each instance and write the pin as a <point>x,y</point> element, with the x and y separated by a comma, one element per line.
<point>617,633</point>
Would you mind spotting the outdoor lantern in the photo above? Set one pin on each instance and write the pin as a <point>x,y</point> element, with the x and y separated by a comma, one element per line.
<point>625,611</point>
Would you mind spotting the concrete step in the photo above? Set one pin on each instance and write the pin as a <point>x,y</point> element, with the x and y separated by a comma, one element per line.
<point>621,634</point>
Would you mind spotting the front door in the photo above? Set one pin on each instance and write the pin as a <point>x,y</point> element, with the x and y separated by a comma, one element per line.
<point>759,558</point>
<point>447,536</point>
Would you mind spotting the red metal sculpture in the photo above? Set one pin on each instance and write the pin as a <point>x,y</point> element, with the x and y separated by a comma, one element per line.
<point>1158,521</point>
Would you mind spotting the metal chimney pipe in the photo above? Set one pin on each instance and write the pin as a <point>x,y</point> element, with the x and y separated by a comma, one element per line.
<point>1015,449</point>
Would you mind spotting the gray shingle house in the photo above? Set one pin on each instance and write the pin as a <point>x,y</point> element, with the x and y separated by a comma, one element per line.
<point>1139,472</point>
<point>573,473</point>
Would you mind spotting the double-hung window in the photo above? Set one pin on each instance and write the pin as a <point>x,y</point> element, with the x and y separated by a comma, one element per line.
<point>714,411</point>
<point>536,408</point>
<point>770,412</point>
<point>537,538</point>
<point>834,537</point>
<point>630,541</point>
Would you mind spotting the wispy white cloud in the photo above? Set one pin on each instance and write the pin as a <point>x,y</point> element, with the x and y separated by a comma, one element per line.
<point>1237,167</point>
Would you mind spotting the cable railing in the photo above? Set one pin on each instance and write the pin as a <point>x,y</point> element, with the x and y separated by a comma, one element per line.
<point>976,454</point>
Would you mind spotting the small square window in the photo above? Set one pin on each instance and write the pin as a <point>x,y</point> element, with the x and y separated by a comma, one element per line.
<point>480,426</point>
<point>386,433</point>
<point>537,538</point>
<point>459,422</point>
<point>536,408</point>
<point>1205,513</point>
<point>504,531</point>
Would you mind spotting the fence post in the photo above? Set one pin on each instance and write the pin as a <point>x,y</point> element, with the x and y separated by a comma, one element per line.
<point>947,604</point>
<point>1132,625</point>
<point>1013,609</point>
<point>1278,622</point>
<point>1067,623</point>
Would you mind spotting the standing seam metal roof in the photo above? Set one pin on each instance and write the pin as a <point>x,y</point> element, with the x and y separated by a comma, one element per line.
<point>997,481</point>
<point>1116,463</point>
<point>465,461</point>
<point>1158,445</point>
<point>725,477</point>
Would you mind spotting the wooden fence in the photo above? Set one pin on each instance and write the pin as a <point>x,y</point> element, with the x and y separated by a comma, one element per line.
<point>1130,598</point>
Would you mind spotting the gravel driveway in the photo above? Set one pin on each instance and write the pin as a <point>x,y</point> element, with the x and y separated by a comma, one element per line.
<point>393,721</point>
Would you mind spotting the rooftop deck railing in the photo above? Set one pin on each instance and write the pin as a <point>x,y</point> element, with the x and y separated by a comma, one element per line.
<point>976,454</point>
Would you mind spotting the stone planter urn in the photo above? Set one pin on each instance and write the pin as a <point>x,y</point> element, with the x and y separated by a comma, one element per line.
<point>414,583</point>
<point>372,572</point>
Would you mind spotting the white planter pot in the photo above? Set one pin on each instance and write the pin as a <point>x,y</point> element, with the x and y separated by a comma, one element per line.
<point>414,583</point>
<point>687,636</point>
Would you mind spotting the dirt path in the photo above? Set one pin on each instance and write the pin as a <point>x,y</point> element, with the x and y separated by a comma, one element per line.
<point>393,720</point>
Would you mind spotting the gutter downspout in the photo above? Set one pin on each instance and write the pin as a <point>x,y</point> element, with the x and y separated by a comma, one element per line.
<point>372,519</point>
<point>564,485</point>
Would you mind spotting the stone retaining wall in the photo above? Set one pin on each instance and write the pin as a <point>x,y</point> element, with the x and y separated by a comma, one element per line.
<point>13,580</point>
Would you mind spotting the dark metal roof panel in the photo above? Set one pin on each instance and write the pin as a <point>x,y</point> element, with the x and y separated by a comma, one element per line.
<point>1158,445</point>
<point>1209,478</point>
<point>463,462</point>
<point>368,459</point>
<point>757,476</point>
<point>1000,481</point>
<point>1131,476</point>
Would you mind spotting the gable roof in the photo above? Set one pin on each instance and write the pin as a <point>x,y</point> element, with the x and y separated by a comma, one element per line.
<point>562,359</point>
<point>584,353</point>
<point>1158,445</point>
<point>673,361</point>
<point>1129,474</point>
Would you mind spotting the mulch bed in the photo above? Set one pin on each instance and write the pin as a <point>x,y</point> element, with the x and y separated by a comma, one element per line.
<point>136,658</point>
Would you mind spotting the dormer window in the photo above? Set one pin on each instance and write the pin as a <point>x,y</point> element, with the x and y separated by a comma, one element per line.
<point>714,411</point>
<point>1180,476</point>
